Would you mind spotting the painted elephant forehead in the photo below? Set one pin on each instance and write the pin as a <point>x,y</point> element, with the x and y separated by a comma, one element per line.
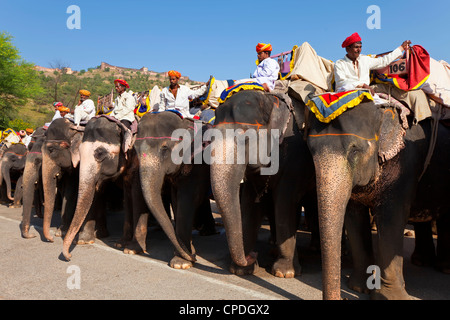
<point>246,107</point>
<point>87,148</point>
<point>362,122</point>
<point>159,125</point>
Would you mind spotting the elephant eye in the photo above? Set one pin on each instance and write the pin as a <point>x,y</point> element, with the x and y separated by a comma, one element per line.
<point>100,154</point>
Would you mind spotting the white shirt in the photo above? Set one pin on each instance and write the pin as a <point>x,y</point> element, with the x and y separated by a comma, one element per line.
<point>84,112</point>
<point>181,102</point>
<point>267,72</point>
<point>349,75</point>
<point>26,140</point>
<point>124,105</point>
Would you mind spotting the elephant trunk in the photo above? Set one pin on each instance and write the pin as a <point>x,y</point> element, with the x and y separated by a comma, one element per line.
<point>30,176</point>
<point>49,175</point>
<point>225,184</point>
<point>152,179</point>
<point>334,186</point>
<point>89,173</point>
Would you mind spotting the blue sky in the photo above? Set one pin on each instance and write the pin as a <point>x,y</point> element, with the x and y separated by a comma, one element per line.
<point>201,38</point>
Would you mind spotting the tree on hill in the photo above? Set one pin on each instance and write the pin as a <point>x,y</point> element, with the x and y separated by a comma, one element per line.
<point>18,80</point>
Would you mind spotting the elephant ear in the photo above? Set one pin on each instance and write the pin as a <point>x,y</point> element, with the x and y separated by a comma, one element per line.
<point>75,149</point>
<point>280,114</point>
<point>391,137</point>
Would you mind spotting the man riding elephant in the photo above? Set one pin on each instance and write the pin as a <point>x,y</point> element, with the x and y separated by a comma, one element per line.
<point>85,110</point>
<point>176,96</point>
<point>353,71</point>
<point>124,104</point>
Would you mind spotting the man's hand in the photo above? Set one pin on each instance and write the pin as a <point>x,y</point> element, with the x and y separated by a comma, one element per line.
<point>406,44</point>
<point>365,86</point>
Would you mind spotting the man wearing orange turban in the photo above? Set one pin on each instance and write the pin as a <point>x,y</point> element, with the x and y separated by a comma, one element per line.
<point>353,71</point>
<point>267,69</point>
<point>85,110</point>
<point>176,96</point>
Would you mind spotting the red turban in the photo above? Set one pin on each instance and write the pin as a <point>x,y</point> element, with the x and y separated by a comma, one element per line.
<point>57,104</point>
<point>122,82</point>
<point>173,73</point>
<point>263,47</point>
<point>351,40</point>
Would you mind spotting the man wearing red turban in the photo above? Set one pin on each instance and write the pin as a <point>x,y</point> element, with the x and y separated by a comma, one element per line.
<point>124,103</point>
<point>353,71</point>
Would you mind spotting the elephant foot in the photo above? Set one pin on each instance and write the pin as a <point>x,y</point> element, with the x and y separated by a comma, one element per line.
<point>390,293</point>
<point>85,238</point>
<point>358,283</point>
<point>122,243</point>
<point>180,263</point>
<point>26,233</point>
<point>244,271</point>
<point>285,268</point>
<point>133,248</point>
<point>60,232</point>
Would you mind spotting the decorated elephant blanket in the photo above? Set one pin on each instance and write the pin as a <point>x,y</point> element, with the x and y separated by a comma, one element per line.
<point>247,85</point>
<point>328,106</point>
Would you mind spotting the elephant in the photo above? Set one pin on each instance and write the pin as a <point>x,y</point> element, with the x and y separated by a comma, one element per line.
<point>32,181</point>
<point>12,165</point>
<point>187,182</point>
<point>60,158</point>
<point>276,194</point>
<point>103,158</point>
<point>372,157</point>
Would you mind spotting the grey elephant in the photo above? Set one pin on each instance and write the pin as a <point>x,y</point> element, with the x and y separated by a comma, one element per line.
<point>372,158</point>
<point>277,194</point>
<point>32,181</point>
<point>188,182</point>
<point>104,157</point>
<point>60,159</point>
<point>11,168</point>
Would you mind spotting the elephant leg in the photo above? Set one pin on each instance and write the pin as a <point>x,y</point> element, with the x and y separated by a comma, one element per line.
<point>18,194</point>
<point>358,227</point>
<point>424,251</point>
<point>184,207</point>
<point>129,220</point>
<point>88,233</point>
<point>140,214</point>
<point>287,264</point>
<point>251,214</point>
<point>443,243</point>
<point>391,221</point>
<point>69,186</point>
<point>204,221</point>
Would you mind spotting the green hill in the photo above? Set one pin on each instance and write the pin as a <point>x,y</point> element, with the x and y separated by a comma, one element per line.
<point>63,85</point>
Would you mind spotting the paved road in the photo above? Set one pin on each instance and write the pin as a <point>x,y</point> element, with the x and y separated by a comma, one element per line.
<point>33,269</point>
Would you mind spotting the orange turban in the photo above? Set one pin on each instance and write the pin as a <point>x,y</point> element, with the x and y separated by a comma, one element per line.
<point>64,109</point>
<point>173,73</point>
<point>85,93</point>
<point>29,130</point>
<point>260,47</point>
<point>351,40</point>
<point>122,82</point>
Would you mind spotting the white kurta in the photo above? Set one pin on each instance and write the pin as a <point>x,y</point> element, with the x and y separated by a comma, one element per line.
<point>181,102</point>
<point>124,105</point>
<point>348,75</point>
<point>84,112</point>
<point>267,72</point>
